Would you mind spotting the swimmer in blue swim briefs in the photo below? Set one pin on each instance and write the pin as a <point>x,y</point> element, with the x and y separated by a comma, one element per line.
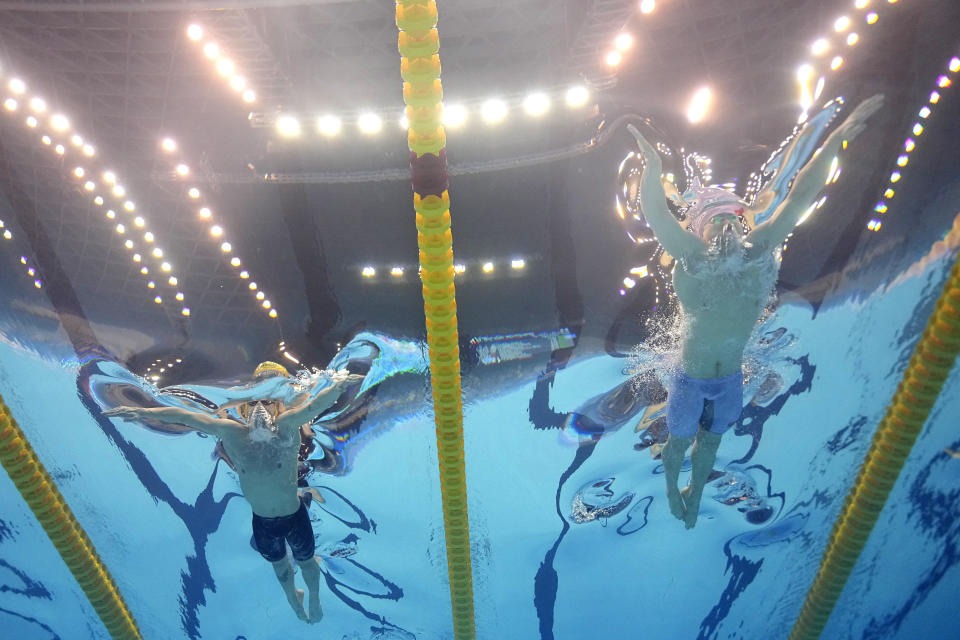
<point>723,281</point>
<point>263,449</point>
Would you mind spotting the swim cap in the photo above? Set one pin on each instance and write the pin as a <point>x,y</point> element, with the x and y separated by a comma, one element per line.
<point>272,367</point>
<point>706,202</point>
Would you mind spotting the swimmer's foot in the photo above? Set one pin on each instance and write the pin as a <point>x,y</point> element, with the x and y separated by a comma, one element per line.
<point>691,503</point>
<point>297,605</point>
<point>676,504</point>
<point>316,611</point>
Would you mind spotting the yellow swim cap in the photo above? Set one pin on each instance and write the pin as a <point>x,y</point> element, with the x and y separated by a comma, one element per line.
<point>272,367</point>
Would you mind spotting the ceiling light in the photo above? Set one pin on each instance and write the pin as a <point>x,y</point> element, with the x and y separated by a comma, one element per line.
<point>487,267</point>
<point>841,24</point>
<point>235,261</point>
<point>225,66</point>
<point>89,185</point>
<point>129,206</point>
<point>193,192</point>
<point>76,140</point>
<point>647,6</point>
<point>494,110</point>
<point>32,122</point>
<point>194,32</point>
<point>613,58</point>
<point>852,39</point>
<point>288,126</point>
<point>238,83</point>
<point>148,236</point>
<point>211,50</point>
<point>577,96</point>
<point>60,149</point>
<point>204,212</point>
<point>79,172</point>
<point>954,64</point>
<point>109,177</point>
<point>518,264</point>
<point>46,140</point>
<point>10,104</point>
<point>168,144</point>
<point>17,85</point>
<point>88,150</point>
<point>369,123</point>
<point>699,105</point>
<point>368,272</point>
<point>216,231</point>
<point>119,191</point>
<point>38,104</point>
<point>454,115</point>
<point>249,95</point>
<point>182,169</point>
<point>226,247</point>
<point>536,104</point>
<point>820,46</point>
<point>871,17</point>
<point>836,62</point>
<point>623,41</point>
<point>328,125</point>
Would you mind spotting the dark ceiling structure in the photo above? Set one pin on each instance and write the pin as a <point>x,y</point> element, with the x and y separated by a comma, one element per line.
<point>127,75</point>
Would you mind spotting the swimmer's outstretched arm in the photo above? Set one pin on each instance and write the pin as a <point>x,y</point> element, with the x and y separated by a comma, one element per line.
<point>671,234</point>
<point>810,181</point>
<point>177,415</point>
<point>305,412</point>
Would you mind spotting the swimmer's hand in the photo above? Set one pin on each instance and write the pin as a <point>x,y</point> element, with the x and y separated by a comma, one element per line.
<point>856,122</point>
<point>125,413</point>
<point>647,149</point>
<point>343,378</point>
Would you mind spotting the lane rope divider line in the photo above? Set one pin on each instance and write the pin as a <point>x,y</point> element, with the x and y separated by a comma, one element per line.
<point>49,506</point>
<point>933,357</point>
<point>419,46</point>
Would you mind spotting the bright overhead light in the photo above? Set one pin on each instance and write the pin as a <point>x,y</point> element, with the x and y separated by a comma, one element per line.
<point>79,172</point>
<point>38,104</point>
<point>139,222</point>
<point>204,212</point>
<point>369,123</point>
<point>403,121</point>
<point>88,150</point>
<point>954,64</point>
<point>32,122</point>
<point>235,261</point>
<point>647,6</point>
<point>60,149</point>
<point>168,144</point>
<point>328,125</point>
<point>194,32</point>
<point>288,126</point>
<point>487,267</point>
<point>518,264</point>
<point>193,192</point>
<point>225,66</point>
<point>273,313</point>
<point>841,24</point>
<point>871,17</point>
<point>216,231</point>
<point>211,50</point>
<point>454,115</point>
<point>699,105</point>
<point>613,58</point>
<point>226,247</point>
<point>59,122</point>
<point>852,39</point>
<point>76,140</point>
<point>166,266</point>
<point>128,205</point>
<point>157,252</point>
<point>17,85</point>
<point>119,191</point>
<point>494,110</point>
<point>536,104</point>
<point>10,104</point>
<point>577,96</point>
<point>836,62</point>
<point>368,272</point>
<point>148,236</point>
<point>46,140</point>
<point>249,95</point>
<point>89,185</point>
<point>860,4</point>
<point>238,83</point>
<point>819,46</point>
<point>396,271</point>
<point>623,41</point>
<point>182,169</point>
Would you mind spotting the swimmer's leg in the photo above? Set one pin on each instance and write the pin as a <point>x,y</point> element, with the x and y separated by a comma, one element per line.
<point>311,575</point>
<point>702,457</point>
<point>684,405</point>
<point>672,456</point>
<point>284,571</point>
<point>727,405</point>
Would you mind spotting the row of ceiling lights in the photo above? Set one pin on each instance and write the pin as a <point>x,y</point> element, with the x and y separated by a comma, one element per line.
<point>916,130</point>
<point>459,268</point>
<point>57,125</point>
<point>215,230</point>
<point>225,67</point>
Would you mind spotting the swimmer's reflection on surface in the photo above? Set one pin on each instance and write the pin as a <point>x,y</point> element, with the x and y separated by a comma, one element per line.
<point>723,282</point>
<point>263,449</point>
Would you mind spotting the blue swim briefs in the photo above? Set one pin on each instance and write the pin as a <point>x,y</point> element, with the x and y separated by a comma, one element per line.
<point>686,398</point>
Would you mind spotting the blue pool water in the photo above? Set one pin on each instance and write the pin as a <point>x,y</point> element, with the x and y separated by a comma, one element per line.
<point>566,347</point>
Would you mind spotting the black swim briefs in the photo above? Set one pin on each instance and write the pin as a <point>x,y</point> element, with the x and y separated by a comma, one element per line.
<point>269,535</point>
